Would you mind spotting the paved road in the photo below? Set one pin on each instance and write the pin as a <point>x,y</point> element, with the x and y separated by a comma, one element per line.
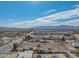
<point>8,47</point>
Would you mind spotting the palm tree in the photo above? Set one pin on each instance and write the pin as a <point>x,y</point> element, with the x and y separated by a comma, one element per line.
<point>14,47</point>
<point>27,38</point>
<point>38,45</point>
<point>38,56</point>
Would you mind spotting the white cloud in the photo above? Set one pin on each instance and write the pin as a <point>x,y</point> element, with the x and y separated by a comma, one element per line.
<point>77,6</point>
<point>52,10</point>
<point>48,20</point>
<point>72,23</point>
<point>28,24</point>
<point>65,14</point>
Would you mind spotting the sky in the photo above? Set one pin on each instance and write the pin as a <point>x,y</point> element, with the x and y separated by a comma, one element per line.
<point>27,14</point>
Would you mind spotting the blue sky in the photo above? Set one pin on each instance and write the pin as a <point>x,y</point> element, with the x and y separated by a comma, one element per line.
<point>38,13</point>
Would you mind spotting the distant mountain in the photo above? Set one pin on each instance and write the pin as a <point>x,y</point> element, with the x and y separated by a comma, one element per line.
<point>57,27</point>
<point>12,29</point>
<point>40,27</point>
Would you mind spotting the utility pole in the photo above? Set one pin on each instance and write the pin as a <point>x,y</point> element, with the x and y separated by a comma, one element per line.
<point>44,42</point>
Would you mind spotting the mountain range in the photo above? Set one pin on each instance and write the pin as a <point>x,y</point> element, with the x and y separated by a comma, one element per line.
<point>57,27</point>
<point>40,27</point>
